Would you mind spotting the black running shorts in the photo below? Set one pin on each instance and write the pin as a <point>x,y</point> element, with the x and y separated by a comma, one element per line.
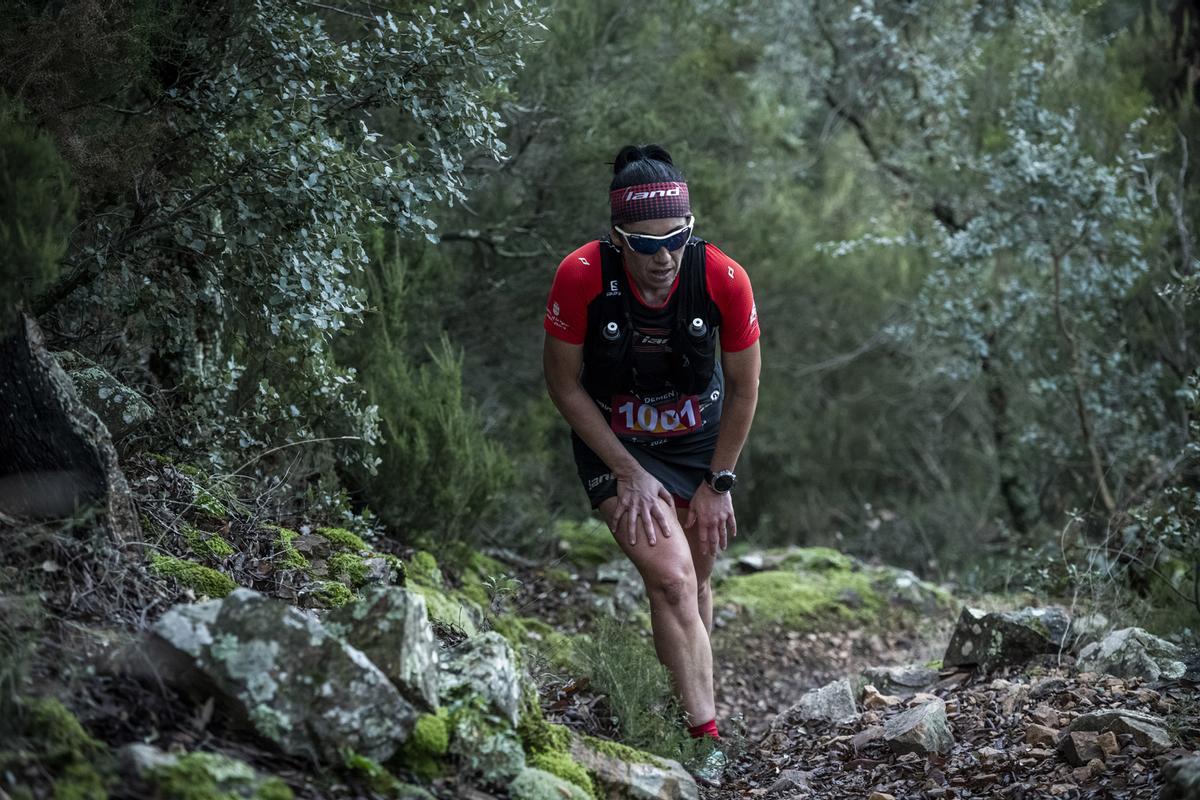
<point>679,469</point>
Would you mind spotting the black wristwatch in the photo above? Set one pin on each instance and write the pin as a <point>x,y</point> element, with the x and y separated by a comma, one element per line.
<point>721,482</point>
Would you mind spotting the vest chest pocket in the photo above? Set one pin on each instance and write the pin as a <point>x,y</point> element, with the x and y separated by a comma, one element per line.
<point>632,417</point>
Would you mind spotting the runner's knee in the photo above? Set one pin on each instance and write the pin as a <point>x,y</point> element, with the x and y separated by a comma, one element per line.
<point>675,588</point>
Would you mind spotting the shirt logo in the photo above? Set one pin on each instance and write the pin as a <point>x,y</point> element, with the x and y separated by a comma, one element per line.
<point>554,309</point>
<point>731,276</point>
<point>584,261</point>
<point>753,313</point>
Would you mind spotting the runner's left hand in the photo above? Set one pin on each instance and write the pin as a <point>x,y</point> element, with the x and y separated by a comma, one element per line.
<point>712,512</point>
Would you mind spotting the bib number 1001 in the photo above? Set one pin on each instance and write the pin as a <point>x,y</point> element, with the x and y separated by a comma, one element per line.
<point>631,416</point>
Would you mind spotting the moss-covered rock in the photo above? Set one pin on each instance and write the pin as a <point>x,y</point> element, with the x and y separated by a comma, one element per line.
<point>548,746</point>
<point>586,544</point>
<point>343,539</point>
<point>534,783</point>
<point>332,594</point>
<point>425,751</point>
<point>206,545</point>
<point>51,737</point>
<point>803,600</point>
<point>212,776</point>
<point>288,556</point>
<point>349,568</point>
<point>197,577</point>
<point>450,608</point>
<point>423,569</point>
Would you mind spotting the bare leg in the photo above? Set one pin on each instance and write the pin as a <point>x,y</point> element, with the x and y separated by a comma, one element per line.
<point>703,564</point>
<point>680,636</point>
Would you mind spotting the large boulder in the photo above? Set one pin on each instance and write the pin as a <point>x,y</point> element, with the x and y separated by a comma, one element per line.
<point>57,454</point>
<point>623,773</point>
<point>390,626</point>
<point>921,730</point>
<point>1133,653</point>
<point>120,408</point>
<point>1006,637</point>
<point>297,684</point>
<point>833,702</point>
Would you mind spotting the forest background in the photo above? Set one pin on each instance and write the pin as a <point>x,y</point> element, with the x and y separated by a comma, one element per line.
<point>318,237</point>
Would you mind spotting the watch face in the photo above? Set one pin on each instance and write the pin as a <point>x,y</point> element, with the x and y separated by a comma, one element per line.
<point>723,482</point>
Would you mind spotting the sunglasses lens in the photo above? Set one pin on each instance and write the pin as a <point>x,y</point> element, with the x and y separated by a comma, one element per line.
<point>649,245</point>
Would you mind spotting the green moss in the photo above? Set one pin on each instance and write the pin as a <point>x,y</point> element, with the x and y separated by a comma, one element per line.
<point>565,767</point>
<point>377,778</point>
<point>803,601</point>
<point>348,567</point>
<point>206,545</point>
<point>425,750</point>
<point>457,611</point>
<point>289,557</point>
<point>548,746</point>
<point>333,594</point>
<point>210,776</point>
<point>430,734</point>
<point>586,544</point>
<point>80,765</point>
<point>343,539</point>
<point>623,752</point>
<point>817,559</point>
<point>197,577</point>
<point>208,503</point>
<point>423,568</point>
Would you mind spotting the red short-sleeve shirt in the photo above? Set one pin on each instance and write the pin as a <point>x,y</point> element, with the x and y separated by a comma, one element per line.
<point>578,282</point>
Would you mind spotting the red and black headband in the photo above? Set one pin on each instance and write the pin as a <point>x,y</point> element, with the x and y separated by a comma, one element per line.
<point>649,201</point>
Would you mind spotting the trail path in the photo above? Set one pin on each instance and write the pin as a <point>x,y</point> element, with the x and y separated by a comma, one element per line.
<point>761,674</point>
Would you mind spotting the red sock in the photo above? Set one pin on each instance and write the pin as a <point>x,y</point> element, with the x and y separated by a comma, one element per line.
<point>707,729</point>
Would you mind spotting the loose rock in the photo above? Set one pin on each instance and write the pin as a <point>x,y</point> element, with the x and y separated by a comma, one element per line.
<point>626,773</point>
<point>904,681</point>
<point>1182,779</point>
<point>1079,747</point>
<point>1147,730</point>
<point>1009,637</point>
<point>833,702</point>
<point>921,730</point>
<point>1133,653</point>
<point>1041,736</point>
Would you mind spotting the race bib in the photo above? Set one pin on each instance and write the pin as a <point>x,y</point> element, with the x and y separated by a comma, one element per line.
<point>631,416</point>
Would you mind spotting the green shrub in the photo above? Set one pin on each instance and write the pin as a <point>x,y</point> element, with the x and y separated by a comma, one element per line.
<point>37,209</point>
<point>622,665</point>
<point>437,467</point>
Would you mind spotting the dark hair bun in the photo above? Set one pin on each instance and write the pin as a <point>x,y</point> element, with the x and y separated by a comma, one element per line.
<point>633,152</point>
<point>647,163</point>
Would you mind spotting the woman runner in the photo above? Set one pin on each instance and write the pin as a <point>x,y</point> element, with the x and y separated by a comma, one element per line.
<point>658,420</point>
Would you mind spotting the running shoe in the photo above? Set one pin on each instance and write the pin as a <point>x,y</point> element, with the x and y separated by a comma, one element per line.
<point>711,769</point>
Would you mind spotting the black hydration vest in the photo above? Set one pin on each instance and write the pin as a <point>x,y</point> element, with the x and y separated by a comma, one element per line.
<point>610,365</point>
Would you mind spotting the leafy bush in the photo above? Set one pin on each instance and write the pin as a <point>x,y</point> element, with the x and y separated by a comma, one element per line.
<point>37,208</point>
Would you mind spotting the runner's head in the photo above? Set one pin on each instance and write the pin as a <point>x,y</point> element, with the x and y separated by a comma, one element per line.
<point>651,214</point>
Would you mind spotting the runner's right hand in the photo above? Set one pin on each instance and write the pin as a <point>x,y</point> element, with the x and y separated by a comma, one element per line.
<point>637,505</point>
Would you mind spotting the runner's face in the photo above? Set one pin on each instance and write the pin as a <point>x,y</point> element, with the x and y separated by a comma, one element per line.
<point>657,272</point>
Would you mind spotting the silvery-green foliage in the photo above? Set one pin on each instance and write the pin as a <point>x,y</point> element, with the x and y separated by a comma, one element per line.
<point>239,267</point>
<point>1040,225</point>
